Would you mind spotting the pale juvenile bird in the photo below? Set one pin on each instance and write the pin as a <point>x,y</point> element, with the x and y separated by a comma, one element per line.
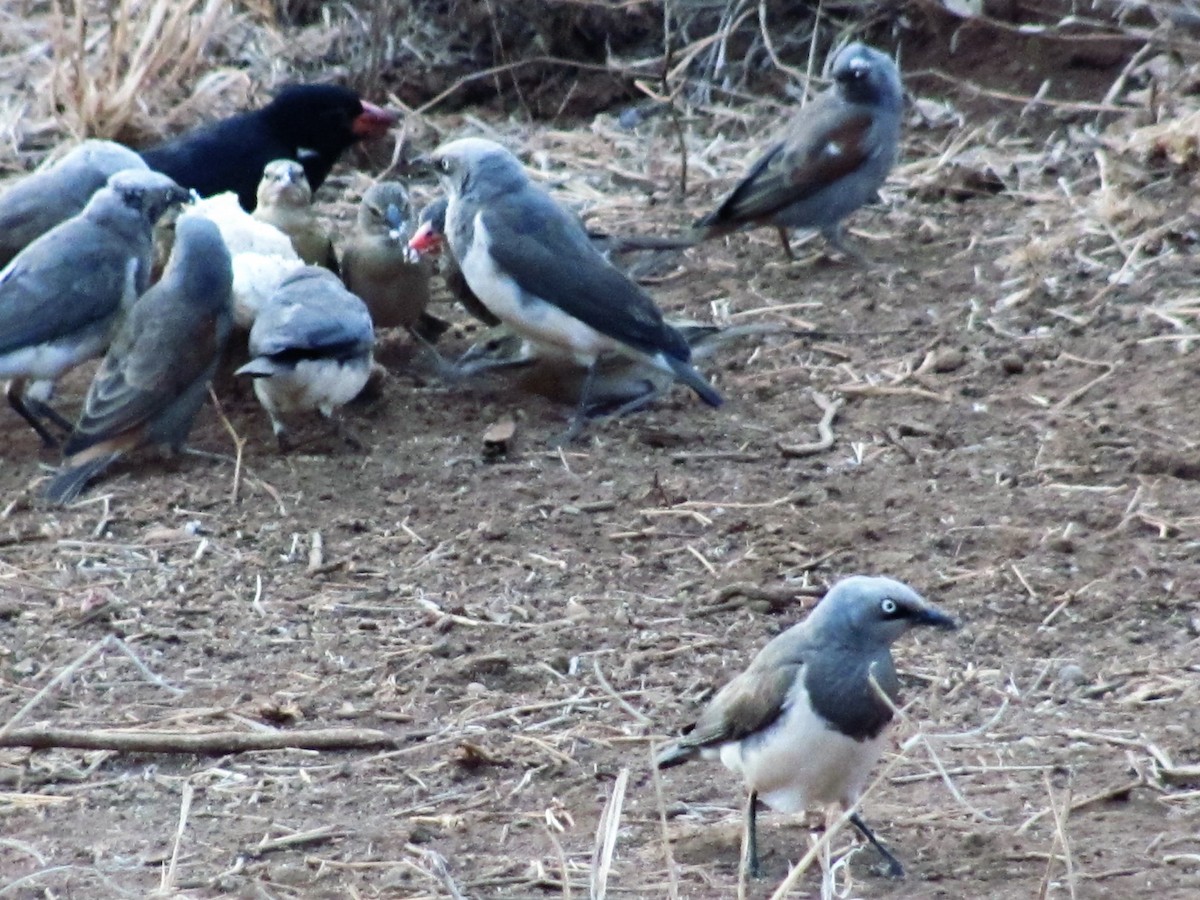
<point>534,268</point>
<point>833,158</point>
<point>263,256</point>
<point>156,374</point>
<point>55,193</point>
<point>311,350</point>
<point>803,725</point>
<point>379,266</point>
<point>285,201</point>
<point>61,297</point>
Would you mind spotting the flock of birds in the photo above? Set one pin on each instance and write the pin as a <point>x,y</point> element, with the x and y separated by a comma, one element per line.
<point>82,240</point>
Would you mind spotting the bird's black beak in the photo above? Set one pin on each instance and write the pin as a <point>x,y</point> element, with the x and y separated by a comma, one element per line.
<point>422,165</point>
<point>936,619</point>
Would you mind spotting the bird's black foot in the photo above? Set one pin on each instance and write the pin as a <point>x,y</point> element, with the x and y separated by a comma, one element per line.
<point>893,868</point>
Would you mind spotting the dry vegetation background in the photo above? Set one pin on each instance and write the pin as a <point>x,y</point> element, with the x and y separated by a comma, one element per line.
<point>413,674</point>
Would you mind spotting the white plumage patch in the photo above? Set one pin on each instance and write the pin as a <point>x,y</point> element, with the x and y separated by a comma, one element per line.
<point>530,316</point>
<point>50,360</point>
<point>833,149</point>
<point>801,761</point>
<point>313,384</point>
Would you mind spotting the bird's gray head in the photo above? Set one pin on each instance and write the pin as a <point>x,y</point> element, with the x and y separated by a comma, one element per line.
<point>477,165</point>
<point>870,611</point>
<point>201,256</point>
<point>866,75</point>
<point>385,207</point>
<point>149,193</point>
<point>284,184</point>
<point>107,157</point>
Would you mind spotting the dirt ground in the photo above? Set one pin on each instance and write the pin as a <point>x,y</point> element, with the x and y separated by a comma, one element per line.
<point>1018,441</point>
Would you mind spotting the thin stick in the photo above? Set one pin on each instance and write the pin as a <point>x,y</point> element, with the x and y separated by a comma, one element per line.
<point>829,409</point>
<point>661,803</point>
<point>239,443</point>
<point>207,743</point>
<point>641,718</point>
<point>437,863</point>
<point>95,650</point>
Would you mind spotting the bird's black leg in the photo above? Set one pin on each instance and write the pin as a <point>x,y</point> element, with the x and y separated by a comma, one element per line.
<point>447,371</point>
<point>786,242</point>
<point>46,411</point>
<point>580,416</point>
<point>752,837</point>
<point>342,430</point>
<point>15,393</point>
<point>895,870</point>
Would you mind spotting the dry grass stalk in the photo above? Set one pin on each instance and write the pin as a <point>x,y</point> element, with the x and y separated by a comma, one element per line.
<point>167,886</point>
<point>103,73</point>
<point>606,837</point>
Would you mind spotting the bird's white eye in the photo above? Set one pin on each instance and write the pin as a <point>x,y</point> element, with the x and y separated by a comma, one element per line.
<point>445,164</point>
<point>888,606</point>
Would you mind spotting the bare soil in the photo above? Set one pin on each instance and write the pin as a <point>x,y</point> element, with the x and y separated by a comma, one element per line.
<point>1019,442</point>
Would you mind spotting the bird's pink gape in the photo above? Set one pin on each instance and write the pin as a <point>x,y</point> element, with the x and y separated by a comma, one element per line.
<point>373,121</point>
<point>426,240</point>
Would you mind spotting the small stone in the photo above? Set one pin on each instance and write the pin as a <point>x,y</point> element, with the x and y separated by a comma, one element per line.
<point>1071,675</point>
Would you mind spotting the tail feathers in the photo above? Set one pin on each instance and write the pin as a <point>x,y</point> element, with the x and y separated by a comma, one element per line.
<point>675,755</point>
<point>626,243</point>
<point>693,379</point>
<point>71,480</point>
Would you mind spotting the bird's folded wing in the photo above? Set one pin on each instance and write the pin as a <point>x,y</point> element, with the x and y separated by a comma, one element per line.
<point>284,329</point>
<point>829,143</point>
<point>748,704</point>
<point>153,360</point>
<point>74,277</point>
<point>548,255</point>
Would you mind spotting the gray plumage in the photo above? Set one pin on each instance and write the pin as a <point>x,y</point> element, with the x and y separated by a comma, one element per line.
<point>310,347</point>
<point>833,158</point>
<point>802,724</point>
<point>61,296</point>
<point>156,374</point>
<point>534,267</point>
<point>55,193</point>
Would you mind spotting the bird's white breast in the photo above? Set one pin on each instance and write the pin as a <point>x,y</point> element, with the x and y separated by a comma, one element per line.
<point>50,360</point>
<point>528,315</point>
<point>317,384</point>
<point>800,761</point>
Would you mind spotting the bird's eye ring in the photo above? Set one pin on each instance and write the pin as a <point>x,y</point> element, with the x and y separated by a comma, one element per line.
<point>888,606</point>
<point>445,164</point>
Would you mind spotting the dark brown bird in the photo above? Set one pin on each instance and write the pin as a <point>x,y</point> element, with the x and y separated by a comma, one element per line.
<point>310,123</point>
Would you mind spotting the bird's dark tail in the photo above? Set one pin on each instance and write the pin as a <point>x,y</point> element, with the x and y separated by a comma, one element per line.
<point>675,755</point>
<point>693,379</point>
<point>70,481</point>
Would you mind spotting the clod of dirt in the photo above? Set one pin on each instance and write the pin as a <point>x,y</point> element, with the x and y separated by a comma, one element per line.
<point>1157,462</point>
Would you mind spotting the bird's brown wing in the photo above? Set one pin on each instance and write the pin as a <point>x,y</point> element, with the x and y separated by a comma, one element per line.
<point>828,141</point>
<point>749,703</point>
<point>153,359</point>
